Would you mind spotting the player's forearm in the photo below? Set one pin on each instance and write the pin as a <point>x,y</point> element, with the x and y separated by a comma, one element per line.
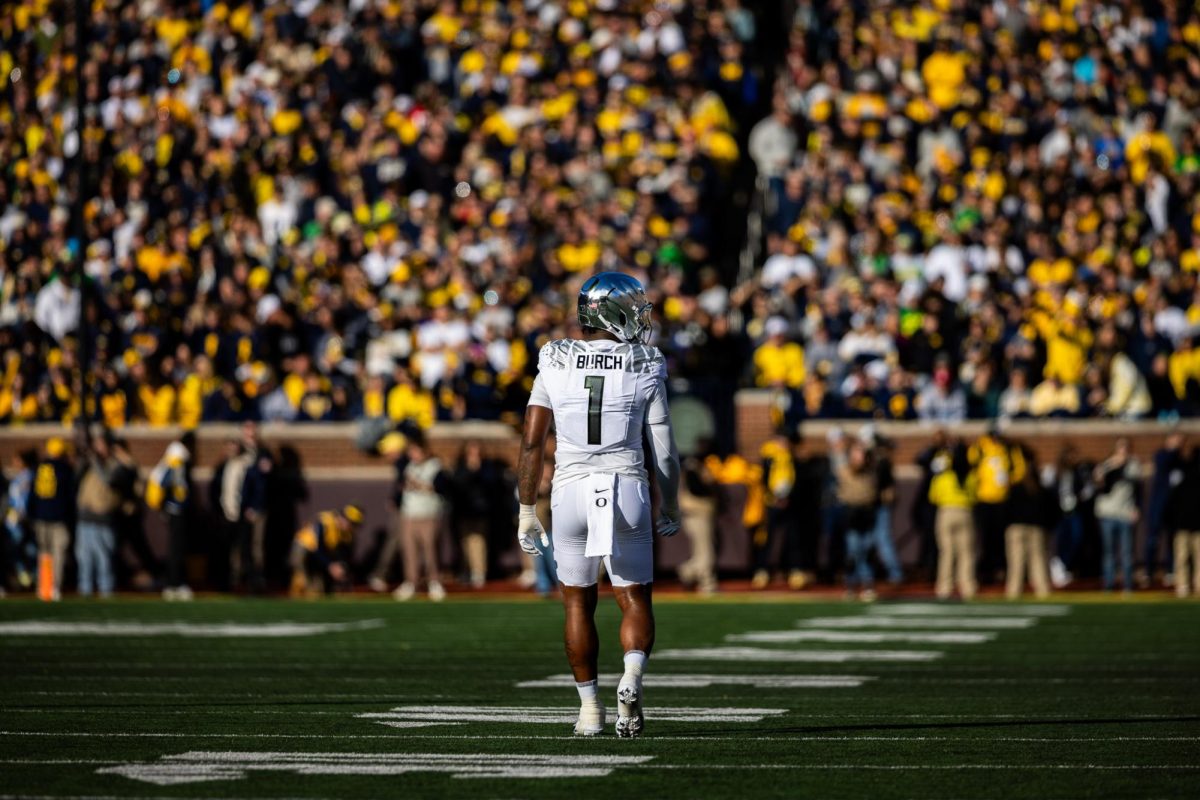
<point>529,472</point>
<point>666,465</point>
<point>533,453</point>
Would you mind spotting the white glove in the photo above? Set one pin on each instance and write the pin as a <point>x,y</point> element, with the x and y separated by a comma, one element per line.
<point>668,523</point>
<point>529,530</point>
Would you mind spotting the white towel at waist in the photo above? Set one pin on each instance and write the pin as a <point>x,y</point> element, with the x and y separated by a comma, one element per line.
<point>602,506</point>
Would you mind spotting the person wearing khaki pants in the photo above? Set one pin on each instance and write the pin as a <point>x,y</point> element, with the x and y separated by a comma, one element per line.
<point>698,506</point>
<point>954,526</point>
<point>53,542</point>
<point>1025,546</point>
<point>1032,509</point>
<point>955,533</point>
<point>421,512</point>
<point>1183,515</point>
<point>418,537</point>
<point>51,503</point>
<point>1187,562</point>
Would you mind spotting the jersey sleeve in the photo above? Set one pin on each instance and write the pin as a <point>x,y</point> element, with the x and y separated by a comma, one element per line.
<point>661,442</point>
<point>552,356</point>
<point>539,396</point>
<point>654,372</point>
<point>657,409</point>
<point>550,359</point>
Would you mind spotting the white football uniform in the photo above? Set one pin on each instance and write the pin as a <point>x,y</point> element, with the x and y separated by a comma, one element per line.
<point>608,397</point>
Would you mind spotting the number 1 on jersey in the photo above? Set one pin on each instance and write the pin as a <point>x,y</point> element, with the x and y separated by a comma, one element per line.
<point>595,386</point>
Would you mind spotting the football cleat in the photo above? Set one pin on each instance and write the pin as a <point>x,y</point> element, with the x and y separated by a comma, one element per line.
<point>591,720</point>
<point>629,710</point>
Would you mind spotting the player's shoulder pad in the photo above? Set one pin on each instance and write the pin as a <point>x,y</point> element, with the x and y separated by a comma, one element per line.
<point>555,354</point>
<point>647,360</point>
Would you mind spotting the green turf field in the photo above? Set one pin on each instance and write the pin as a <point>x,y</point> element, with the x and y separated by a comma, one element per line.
<point>375,699</point>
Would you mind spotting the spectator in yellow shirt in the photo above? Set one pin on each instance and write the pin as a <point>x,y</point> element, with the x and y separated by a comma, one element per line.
<point>954,526</point>
<point>778,363</point>
<point>158,404</point>
<point>1183,369</point>
<point>944,73</point>
<point>407,402</point>
<point>1067,347</point>
<point>996,465</point>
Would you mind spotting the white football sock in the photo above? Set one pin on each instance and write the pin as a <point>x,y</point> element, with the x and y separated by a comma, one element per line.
<point>635,664</point>
<point>587,692</point>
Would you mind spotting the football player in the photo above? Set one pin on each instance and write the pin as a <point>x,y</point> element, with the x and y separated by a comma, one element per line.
<point>606,395</point>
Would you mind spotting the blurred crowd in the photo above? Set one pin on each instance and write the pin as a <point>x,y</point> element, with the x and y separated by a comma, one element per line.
<point>348,210</point>
<point>378,210</point>
<point>981,210</point>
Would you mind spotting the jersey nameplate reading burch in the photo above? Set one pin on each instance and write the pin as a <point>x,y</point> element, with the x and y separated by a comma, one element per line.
<point>600,361</point>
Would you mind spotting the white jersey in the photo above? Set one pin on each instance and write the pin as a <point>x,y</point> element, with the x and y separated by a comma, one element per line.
<point>603,393</point>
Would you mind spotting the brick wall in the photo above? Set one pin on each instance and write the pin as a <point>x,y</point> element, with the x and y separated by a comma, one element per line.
<point>1093,438</point>
<point>331,447</point>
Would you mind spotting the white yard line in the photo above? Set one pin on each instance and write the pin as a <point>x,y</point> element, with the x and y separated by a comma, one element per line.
<point>429,715</point>
<point>202,765</point>
<point>864,637</point>
<point>459,760</point>
<point>970,610</point>
<point>761,654</point>
<point>699,681</point>
<point>920,623</point>
<point>475,737</point>
<point>220,630</point>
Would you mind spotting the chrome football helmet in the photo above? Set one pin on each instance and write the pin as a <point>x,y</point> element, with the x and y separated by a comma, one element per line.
<point>615,302</point>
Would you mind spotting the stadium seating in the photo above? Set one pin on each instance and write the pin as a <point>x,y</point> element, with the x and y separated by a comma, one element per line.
<point>338,211</point>
<point>981,210</point>
<point>329,211</point>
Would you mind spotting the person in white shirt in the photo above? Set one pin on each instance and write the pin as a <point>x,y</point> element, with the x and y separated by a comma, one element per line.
<point>948,261</point>
<point>421,512</point>
<point>606,395</point>
<point>785,264</point>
